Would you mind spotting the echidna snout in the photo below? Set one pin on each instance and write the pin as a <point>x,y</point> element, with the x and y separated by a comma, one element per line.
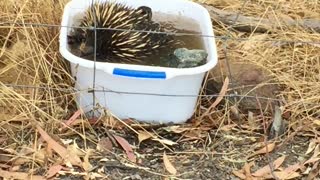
<point>85,49</point>
<point>88,42</point>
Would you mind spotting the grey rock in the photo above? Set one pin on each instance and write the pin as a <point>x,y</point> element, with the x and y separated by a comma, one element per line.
<point>185,58</point>
<point>247,80</point>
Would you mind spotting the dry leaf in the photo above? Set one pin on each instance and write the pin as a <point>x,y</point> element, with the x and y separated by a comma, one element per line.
<point>2,139</point>
<point>113,123</point>
<point>53,170</point>
<point>10,150</point>
<point>266,169</point>
<point>127,147</point>
<point>86,163</point>
<point>290,171</point>
<point>270,147</point>
<point>22,156</point>
<point>176,129</point>
<point>228,127</point>
<point>105,145</point>
<point>223,91</point>
<point>96,176</point>
<point>4,166</point>
<point>311,160</point>
<point>19,175</point>
<point>20,160</point>
<point>283,175</point>
<point>245,172</point>
<point>72,158</point>
<point>71,120</point>
<point>41,154</point>
<point>239,174</point>
<point>292,168</point>
<point>314,157</point>
<point>314,171</point>
<point>80,122</point>
<point>165,141</point>
<point>316,122</point>
<point>15,168</point>
<point>170,168</point>
<point>311,147</point>
<point>143,135</point>
<point>74,149</point>
<point>266,149</point>
<point>195,134</point>
<point>307,171</point>
<point>247,168</point>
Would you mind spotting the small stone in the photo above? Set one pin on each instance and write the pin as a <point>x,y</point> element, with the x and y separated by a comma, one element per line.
<point>278,125</point>
<point>185,58</point>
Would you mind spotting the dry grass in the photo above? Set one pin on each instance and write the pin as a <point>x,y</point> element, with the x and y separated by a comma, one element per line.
<point>29,56</point>
<point>294,65</point>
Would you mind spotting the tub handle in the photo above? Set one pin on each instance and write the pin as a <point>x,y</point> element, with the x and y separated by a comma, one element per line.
<point>139,73</point>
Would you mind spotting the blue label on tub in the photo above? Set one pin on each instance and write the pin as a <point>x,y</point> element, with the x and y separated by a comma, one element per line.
<point>139,74</point>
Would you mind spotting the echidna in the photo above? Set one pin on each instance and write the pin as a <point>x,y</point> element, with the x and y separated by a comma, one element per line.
<point>115,45</point>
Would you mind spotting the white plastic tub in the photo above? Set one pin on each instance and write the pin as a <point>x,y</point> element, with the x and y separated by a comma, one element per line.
<point>141,84</point>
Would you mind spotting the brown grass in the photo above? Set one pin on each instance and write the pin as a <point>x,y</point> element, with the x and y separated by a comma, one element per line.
<point>29,56</point>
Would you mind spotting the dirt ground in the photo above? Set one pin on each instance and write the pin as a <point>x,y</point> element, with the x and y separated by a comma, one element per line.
<point>205,160</point>
<point>211,154</point>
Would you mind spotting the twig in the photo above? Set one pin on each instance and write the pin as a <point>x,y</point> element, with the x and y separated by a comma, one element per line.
<point>248,24</point>
<point>266,143</point>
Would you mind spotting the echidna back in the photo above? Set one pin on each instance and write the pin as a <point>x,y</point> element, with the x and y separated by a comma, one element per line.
<point>125,37</point>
